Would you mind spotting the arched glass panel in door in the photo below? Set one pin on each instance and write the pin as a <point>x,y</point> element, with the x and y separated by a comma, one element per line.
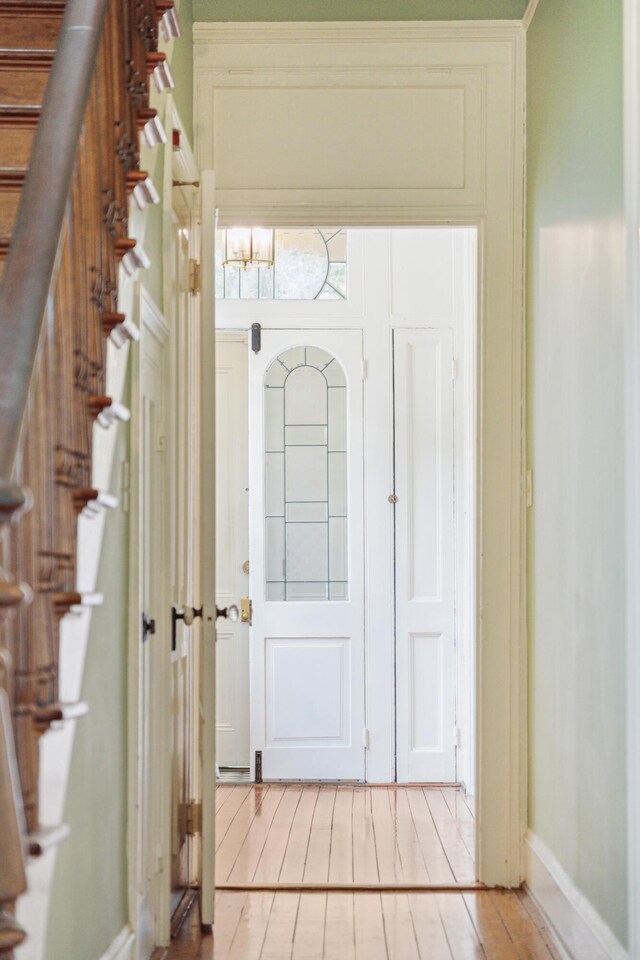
<point>306,476</point>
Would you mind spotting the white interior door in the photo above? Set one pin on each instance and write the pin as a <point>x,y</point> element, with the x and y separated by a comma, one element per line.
<point>153,803</point>
<point>306,531</point>
<point>425,564</point>
<point>232,549</point>
<point>205,577</point>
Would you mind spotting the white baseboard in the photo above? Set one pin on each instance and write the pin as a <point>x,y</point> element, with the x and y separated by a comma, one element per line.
<point>578,926</point>
<point>122,946</point>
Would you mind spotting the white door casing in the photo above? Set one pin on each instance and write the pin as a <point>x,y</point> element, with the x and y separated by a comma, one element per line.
<point>232,548</point>
<point>307,655</point>
<point>480,66</point>
<point>425,568</point>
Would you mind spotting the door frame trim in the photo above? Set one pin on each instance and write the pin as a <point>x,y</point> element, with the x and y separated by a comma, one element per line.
<point>498,52</point>
<point>631,78</point>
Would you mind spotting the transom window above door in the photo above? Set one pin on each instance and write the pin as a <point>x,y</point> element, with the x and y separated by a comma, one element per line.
<point>306,476</point>
<point>309,264</point>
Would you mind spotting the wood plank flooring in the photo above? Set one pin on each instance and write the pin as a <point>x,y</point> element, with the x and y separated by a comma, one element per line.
<point>355,836</point>
<point>283,835</point>
<point>493,925</point>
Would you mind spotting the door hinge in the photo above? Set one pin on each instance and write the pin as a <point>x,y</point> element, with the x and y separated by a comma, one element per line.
<point>194,276</point>
<point>365,739</point>
<point>148,627</point>
<point>454,369</point>
<point>365,369</point>
<point>457,733</point>
<point>193,818</point>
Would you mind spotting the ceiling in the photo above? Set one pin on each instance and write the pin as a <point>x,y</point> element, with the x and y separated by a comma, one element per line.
<point>304,10</point>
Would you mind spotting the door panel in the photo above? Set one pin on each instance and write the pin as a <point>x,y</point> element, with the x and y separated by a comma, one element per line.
<point>232,551</point>
<point>425,595</point>
<point>306,524</point>
<point>181,563</point>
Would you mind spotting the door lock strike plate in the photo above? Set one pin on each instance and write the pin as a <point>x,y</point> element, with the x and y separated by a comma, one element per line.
<point>246,610</point>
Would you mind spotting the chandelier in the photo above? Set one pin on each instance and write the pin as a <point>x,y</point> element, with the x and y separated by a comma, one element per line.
<point>248,247</point>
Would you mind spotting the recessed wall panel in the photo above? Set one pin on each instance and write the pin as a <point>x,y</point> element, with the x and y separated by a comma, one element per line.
<point>224,689</point>
<point>306,691</point>
<point>427,687</point>
<point>295,138</point>
<point>424,470</point>
<point>422,276</point>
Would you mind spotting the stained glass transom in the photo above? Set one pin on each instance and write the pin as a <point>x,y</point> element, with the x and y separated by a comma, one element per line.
<point>309,264</point>
<point>305,396</point>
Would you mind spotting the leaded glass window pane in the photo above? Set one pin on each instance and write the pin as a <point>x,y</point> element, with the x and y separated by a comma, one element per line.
<point>310,264</point>
<point>306,477</point>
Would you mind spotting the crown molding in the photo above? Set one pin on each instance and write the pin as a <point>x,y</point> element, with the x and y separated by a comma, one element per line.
<point>383,31</point>
<point>529,13</point>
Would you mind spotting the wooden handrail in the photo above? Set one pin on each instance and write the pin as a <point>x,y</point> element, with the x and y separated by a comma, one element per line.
<point>34,243</point>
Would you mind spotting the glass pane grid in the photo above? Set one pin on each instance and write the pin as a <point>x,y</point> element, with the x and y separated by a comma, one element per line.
<point>305,459</point>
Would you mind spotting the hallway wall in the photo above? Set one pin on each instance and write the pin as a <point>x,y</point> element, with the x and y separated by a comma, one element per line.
<point>575,447</point>
<point>90,878</point>
<point>280,10</point>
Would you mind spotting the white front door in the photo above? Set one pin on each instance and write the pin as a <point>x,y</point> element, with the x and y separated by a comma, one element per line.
<point>425,563</point>
<point>307,576</point>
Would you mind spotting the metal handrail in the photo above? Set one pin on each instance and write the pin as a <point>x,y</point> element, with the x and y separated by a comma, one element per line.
<point>35,239</point>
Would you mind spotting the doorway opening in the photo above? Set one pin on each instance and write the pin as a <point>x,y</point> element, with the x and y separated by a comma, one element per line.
<point>346,498</point>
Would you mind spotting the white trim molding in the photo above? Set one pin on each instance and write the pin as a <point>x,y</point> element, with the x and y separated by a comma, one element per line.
<point>631,35</point>
<point>122,946</point>
<point>354,31</point>
<point>582,932</point>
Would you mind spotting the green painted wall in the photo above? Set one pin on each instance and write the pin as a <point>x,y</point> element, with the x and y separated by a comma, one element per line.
<point>281,10</point>
<point>88,905</point>
<point>575,445</point>
<point>180,55</point>
<point>181,60</point>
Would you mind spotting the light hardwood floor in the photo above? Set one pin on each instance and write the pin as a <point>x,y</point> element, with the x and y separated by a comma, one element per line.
<point>302,834</point>
<point>494,925</point>
<point>273,837</point>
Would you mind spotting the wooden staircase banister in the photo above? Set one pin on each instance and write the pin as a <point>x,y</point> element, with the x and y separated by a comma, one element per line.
<point>69,174</point>
<point>34,244</point>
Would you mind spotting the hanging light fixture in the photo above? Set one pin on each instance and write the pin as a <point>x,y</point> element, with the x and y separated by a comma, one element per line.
<point>248,247</point>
